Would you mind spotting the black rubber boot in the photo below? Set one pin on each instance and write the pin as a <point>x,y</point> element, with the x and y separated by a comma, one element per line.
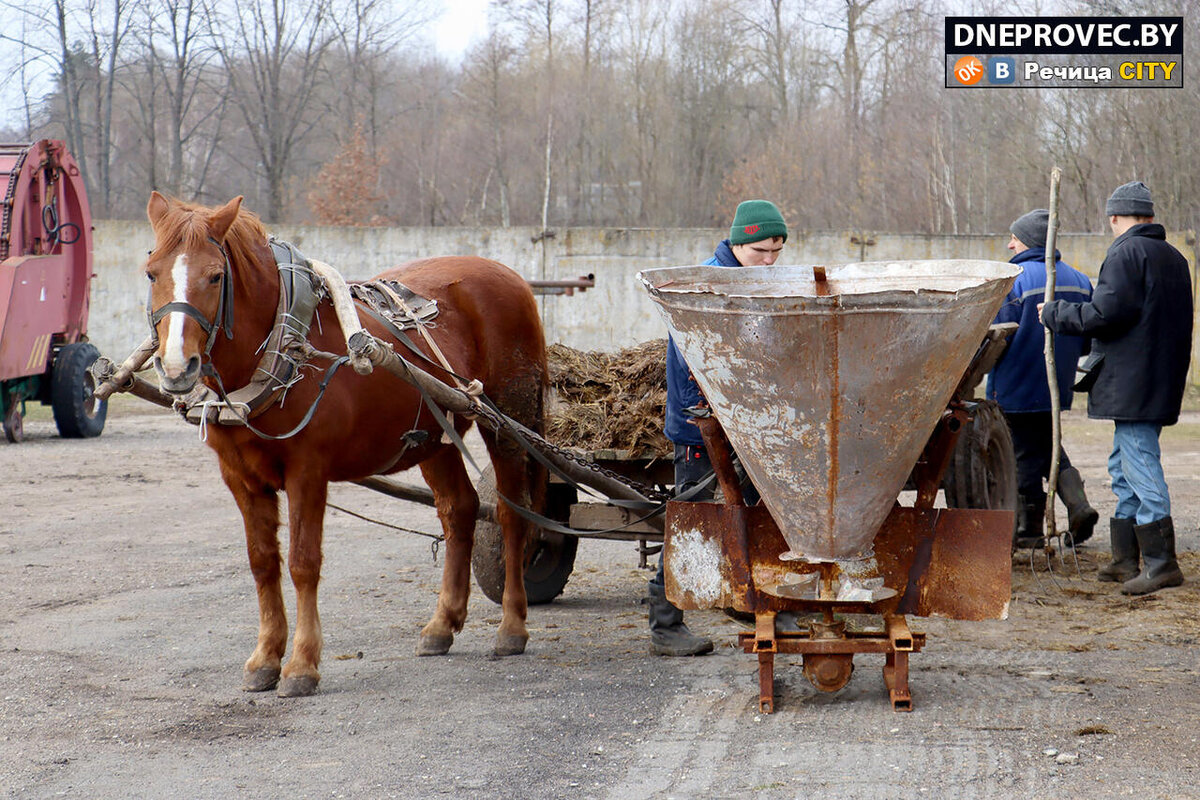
<point>1081,517</point>
<point>1031,514</point>
<point>1159,567</point>
<point>1125,552</point>
<point>668,635</point>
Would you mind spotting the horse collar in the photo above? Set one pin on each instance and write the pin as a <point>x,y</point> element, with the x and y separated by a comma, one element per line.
<point>286,346</point>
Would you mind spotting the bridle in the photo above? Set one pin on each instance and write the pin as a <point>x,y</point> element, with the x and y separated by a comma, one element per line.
<point>223,319</point>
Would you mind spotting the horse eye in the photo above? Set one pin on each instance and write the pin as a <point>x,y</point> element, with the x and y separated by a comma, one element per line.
<point>214,280</point>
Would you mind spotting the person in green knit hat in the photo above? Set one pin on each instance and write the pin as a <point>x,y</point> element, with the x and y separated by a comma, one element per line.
<point>756,238</point>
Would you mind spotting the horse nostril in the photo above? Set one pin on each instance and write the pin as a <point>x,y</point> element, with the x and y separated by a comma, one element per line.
<point>193,366</point>
<point>158,365</point>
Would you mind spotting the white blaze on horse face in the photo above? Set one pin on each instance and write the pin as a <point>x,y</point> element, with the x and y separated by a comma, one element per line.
<point>174,362</point>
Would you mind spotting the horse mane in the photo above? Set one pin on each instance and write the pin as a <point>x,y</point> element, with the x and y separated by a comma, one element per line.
<point>187,224</point>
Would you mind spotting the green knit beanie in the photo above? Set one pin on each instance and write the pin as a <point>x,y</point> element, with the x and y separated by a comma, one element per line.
<point>756,220</point>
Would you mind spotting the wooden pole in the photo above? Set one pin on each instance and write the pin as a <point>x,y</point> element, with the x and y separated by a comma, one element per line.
<point>1048,348</point>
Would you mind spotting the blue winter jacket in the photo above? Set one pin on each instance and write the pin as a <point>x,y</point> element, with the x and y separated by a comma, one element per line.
<point>682,391</point>
<point>1018,381</point>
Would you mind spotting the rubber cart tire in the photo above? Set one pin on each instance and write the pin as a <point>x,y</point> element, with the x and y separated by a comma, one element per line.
<point>77,413</point>
<point>14,421</point>
<point>983,469</point>
<point>549,557</point>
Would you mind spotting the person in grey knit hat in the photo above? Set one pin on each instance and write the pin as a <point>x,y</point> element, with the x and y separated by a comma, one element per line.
<point>1130,200</point>
<point>1140,321</point>
<point>1019,386</point>
<point>1030,228</point>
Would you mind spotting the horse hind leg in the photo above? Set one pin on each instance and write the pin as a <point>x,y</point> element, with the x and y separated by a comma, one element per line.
<point>260,516</point>
<point>457,505</point>
<point>514,479</point>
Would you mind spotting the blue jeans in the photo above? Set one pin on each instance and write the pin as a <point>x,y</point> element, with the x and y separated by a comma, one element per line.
<point>1137,475</point>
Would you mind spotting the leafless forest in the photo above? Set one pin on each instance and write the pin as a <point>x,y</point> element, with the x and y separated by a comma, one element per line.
<point>583,112</point>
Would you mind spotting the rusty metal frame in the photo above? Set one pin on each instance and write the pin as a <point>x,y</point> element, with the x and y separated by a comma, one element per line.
<point>895,642</point>
<point>952,563</point>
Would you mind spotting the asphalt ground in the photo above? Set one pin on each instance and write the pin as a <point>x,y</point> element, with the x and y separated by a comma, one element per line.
<point>127,610</point>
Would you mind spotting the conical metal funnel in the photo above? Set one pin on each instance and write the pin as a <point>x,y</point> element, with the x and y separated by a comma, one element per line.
<point>829,389</point>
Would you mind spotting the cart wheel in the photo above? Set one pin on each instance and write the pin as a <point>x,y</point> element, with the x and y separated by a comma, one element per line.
<point>14,425</point>
<point>77,413</point>
<point>549,557</point>
<point>983,469</point>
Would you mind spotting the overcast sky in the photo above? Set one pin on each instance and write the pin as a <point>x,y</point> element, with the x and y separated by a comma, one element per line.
<point>461,24</point>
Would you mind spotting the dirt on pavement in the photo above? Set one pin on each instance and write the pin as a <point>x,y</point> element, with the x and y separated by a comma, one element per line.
<point>127,610</point>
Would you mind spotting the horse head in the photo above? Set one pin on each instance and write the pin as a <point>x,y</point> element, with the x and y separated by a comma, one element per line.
<point>191,285</point>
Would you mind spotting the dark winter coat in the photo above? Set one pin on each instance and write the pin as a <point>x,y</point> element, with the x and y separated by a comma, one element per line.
<point>1140,319</point>
<point>682,391</point>
<point>1018,381</point>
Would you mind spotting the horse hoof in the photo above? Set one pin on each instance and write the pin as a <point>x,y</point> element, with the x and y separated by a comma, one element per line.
<point>263,679</point>
<point>430,645</point>
<point>510,645</point>
<point>300,686</point>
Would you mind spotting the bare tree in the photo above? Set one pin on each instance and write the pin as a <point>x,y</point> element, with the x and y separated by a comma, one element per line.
<point>196,96</point>
<point>770,32</point>
<point>273,57</point>
<point>366,34</point>
<point>488,96</point>
<point>645,68</point>
<point>536,20</point>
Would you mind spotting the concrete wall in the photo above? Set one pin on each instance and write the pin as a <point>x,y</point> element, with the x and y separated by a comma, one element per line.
<point>615,314</point>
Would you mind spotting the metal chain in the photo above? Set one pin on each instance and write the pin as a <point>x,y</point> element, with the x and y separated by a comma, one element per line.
<point>657,495</point>
<point>9,196</point>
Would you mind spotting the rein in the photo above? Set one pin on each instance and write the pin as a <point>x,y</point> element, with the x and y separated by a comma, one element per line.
<point>290,300</point>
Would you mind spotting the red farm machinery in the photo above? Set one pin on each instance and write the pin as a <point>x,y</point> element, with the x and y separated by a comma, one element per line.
<point>45,279</point>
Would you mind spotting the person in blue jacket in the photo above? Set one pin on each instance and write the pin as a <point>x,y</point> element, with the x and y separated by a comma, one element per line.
<point>756,238</point>
<point>1018,383</point>
<point>1140,321</point>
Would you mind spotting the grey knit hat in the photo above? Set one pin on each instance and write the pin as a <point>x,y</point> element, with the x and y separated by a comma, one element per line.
<point>1031,228</point>
<point>1130,200</point>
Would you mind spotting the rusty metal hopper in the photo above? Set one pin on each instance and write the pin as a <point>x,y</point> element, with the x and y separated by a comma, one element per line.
<point>828,390</point>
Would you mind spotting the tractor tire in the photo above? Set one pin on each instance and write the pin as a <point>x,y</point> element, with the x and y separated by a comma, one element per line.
<point>77,413</point>
<point>983,468</point>
<point>549,556</point>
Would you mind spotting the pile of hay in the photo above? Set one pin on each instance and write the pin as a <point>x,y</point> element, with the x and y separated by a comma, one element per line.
<point>609,400</point>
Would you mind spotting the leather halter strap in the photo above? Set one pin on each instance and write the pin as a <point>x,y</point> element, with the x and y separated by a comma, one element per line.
<point>223,319</point>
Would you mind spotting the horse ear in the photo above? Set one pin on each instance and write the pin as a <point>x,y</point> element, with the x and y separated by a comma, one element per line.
<point>156,209</point>
<point>223,217</point>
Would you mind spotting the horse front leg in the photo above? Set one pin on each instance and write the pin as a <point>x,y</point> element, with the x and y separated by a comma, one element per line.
<point>457,505</point>
<point>260,515</point>
<point>306,518</point>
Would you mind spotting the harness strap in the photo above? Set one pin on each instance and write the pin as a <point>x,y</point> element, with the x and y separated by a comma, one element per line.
<point>245,420</point>
<point>475,387</point>
<point>497,417</point>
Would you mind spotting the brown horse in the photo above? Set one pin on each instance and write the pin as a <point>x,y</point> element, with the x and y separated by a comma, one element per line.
<point>215,286</point>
